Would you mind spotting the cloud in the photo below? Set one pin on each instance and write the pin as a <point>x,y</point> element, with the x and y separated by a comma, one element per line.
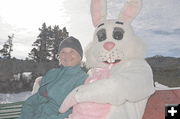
<point>24,20</point>
<point>23,39</point>
<point>5,30</point>
<point>161,13</point>
<point>175,52</point>
<point>157,24</point>
<point>165,32</point>
<point>20,50</point>
<point>79,24</point>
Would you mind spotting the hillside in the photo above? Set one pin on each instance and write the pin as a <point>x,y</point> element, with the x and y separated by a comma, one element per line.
<point>166,70</point>
<point>13,72</point>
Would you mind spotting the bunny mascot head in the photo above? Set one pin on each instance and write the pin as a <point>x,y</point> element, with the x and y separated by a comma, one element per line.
<point>120,81</point>
<point>114,40</point>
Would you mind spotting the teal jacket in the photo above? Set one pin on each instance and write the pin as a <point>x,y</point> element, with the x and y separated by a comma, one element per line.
<point>55,86</point>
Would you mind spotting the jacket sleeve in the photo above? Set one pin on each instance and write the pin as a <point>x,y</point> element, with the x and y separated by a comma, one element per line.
<point>47,76</point>
<point>133,81</point>
<point>30,105</point>
<point>83,76</point>
<point>40,80</point>
<point>56,116</point>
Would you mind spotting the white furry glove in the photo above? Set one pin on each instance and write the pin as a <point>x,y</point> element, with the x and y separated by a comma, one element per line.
<point>36,85</point>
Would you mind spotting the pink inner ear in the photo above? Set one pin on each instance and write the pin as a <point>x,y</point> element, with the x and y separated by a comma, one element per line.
<point>130,10</point>
<point>95,8</point>
<point>130,13</point>
<point>97,12</point>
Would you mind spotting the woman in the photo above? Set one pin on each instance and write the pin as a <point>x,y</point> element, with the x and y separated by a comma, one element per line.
<point>57,84</point>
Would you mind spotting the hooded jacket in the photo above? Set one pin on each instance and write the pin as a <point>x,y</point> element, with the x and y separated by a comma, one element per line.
<point>55,86</point>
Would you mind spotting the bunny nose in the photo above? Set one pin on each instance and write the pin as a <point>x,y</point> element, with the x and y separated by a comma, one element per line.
<point>109,45</point>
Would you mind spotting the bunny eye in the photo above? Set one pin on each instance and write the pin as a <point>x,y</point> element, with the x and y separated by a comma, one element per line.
<point>101,35</point>
<point>118,33</point>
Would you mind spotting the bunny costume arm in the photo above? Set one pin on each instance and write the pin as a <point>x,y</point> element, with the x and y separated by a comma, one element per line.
<point>133,83</point>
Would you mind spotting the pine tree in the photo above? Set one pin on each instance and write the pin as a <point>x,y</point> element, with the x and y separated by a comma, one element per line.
<point>41,48</point>
<point>58,36</point>
<point>34,55</point>
<point>7,48</point>
<point>47,43</point>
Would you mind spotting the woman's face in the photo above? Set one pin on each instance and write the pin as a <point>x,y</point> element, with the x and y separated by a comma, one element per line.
<point>69,57</point>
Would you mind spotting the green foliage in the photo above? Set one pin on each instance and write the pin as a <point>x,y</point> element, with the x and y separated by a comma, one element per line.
<point>84,67</point>
<point>47,43</point>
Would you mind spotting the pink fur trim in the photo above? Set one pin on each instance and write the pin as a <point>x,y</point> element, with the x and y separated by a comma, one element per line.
<point>92,110</point>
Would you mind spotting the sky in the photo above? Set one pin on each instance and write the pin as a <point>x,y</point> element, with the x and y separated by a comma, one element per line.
<point>158,23</point>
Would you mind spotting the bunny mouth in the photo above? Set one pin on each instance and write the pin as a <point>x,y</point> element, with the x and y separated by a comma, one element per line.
<point>112,62</point>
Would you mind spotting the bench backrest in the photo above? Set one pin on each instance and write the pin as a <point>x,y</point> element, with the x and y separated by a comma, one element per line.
<point>10,110</point>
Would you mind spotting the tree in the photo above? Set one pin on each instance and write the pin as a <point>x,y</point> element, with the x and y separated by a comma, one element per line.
<point>40,50</point>
<point>7,47</point>
<point>34,54</point>
<point>58,36</point>
<point>47,43</point>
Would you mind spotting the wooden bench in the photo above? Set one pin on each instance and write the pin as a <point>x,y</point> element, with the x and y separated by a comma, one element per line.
<point>13,110</point>
<point>10,110</point>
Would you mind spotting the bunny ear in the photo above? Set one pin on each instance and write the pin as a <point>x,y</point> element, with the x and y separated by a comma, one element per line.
<point>98,11</point>
<point>130,10</point>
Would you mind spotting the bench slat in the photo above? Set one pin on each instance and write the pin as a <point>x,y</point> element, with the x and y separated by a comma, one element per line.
<point>10,110</point>
<point>10,104</point>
